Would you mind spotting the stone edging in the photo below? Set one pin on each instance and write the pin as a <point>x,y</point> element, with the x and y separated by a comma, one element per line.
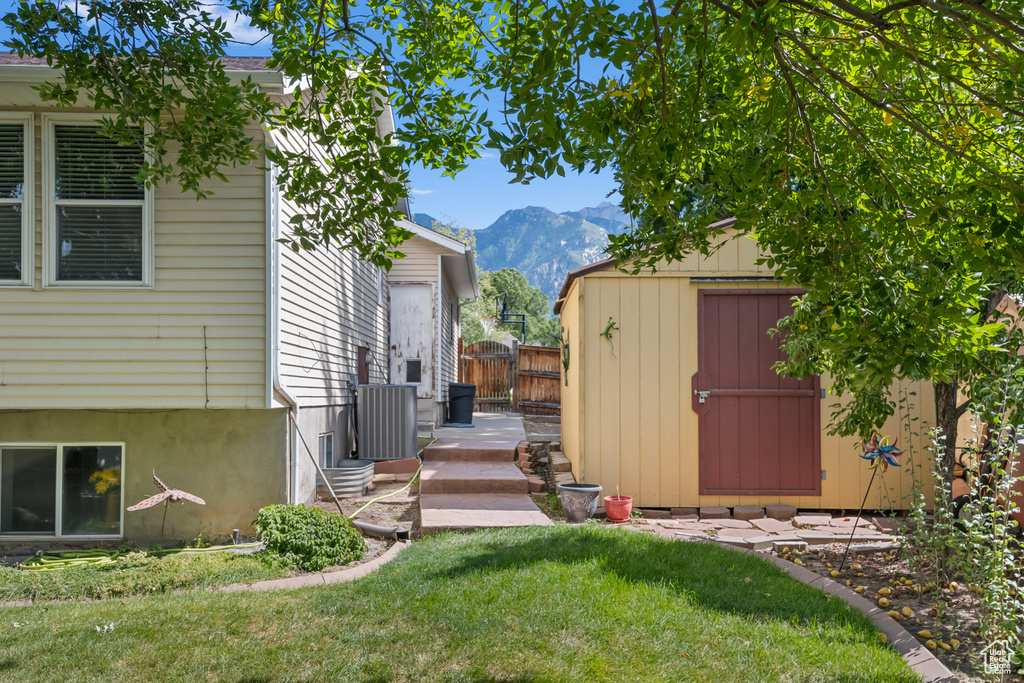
<point>917,656</point>
<point>341,576</point>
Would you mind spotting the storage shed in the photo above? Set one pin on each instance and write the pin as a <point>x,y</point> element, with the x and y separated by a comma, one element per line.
<point>681,407</point>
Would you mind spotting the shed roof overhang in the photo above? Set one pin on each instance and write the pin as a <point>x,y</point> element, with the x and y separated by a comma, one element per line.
<point>610,263</point>
<point>459,263</point>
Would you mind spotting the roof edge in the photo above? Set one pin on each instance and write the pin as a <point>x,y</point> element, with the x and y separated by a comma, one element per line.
<point>604,264</point>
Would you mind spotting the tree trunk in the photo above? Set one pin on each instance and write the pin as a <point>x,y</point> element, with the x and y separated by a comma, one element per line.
<point>946,418</point>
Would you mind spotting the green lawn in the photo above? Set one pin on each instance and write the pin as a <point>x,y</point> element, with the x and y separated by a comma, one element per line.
<point>558,604</point>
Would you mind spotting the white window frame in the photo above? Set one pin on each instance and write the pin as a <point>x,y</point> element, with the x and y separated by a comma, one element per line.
<point>49,121</point>
<point>28,203</point>
<point>325,439</point>
<point>58,520</point>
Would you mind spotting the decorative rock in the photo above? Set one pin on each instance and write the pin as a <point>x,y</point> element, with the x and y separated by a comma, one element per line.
<point>780,511</point>
<point>748,512</point>
<point>656,514</point>
<point>383,478</point>
<point>538,495</point>
<point>684,512</point>
<point>714,512</point>
<point>868,548</point>
<point>886,524</point>
<point>564,478</point>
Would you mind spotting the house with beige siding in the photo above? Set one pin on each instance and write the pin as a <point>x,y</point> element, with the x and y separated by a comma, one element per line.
<point>142,329</point>
<point>435,274</point>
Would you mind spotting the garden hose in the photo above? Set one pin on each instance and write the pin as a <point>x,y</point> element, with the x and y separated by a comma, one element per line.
<point>210,549</point>
<point>395,493</point>
<point>51,562</point>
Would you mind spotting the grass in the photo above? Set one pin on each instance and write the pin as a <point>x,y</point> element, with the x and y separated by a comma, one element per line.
<point>138,574</point>
<point>566,603</point>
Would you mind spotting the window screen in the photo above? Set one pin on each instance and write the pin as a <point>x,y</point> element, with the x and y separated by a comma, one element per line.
<point>98,205</point>
<point>12,199</point>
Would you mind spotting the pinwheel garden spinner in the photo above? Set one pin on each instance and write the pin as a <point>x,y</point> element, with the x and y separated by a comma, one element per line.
<point>881,454</point>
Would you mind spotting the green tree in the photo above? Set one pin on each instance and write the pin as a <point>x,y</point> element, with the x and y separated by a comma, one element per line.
<point>873,146</point>
<point>509,288</point>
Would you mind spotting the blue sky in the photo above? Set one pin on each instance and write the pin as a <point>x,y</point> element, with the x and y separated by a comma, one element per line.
<point>479,195</point>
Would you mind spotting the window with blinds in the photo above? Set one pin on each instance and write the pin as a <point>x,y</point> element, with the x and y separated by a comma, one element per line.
<point>98,231</point>
<point>14,198</point>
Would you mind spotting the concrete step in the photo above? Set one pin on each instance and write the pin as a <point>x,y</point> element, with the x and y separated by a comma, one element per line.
<point>470,451</point>
<point>472,477</point>
<point>466,512</point>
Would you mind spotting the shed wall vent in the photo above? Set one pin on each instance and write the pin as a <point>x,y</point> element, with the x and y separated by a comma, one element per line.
<point>387,421</point>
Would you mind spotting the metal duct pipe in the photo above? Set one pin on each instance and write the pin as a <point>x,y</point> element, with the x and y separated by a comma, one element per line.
<point>395,533</point>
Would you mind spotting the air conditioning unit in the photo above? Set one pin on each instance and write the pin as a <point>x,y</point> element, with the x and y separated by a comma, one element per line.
<point>387,421</point>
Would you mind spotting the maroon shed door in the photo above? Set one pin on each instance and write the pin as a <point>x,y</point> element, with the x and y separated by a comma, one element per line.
<point>760,433</point>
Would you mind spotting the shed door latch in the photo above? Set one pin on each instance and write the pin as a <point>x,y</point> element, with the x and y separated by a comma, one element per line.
<point>702,396</point>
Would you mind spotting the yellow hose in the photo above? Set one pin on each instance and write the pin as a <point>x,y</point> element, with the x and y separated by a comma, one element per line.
<point>395,493</point>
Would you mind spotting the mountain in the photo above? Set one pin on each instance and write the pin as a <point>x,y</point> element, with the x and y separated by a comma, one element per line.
<point>544,245</point>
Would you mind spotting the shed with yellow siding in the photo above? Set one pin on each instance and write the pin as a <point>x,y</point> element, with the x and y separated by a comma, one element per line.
<point>635,420</point>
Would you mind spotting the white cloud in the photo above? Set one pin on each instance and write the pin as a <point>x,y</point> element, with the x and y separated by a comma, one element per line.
<point>422,192</point>
<point>238,26</point>
<point>488,155</point>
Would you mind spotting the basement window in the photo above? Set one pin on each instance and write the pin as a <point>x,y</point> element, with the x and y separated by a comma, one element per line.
<point>327,450</point>
<point>61,490</point>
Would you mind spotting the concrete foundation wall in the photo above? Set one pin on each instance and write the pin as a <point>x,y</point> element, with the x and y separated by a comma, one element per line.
<point>312,423</point>
<point>236,460</point>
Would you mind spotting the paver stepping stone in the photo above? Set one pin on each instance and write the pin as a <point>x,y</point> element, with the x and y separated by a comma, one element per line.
<point>714,512</point>
<point>693,528</point>
<point>780,511</point>
<point>748,512</point>
<point>848,522</point>
<point>682,512</point>
<point>740,533</point>
<point>868,548</point>
<point>760,542</point>
<point>815,537</point>
<point>667,523</point>
<point>802,520</point>
<point>780,545</point>
<point>686,518</point>
<point>774,526</point>
<point>730,524</point>
<point>886,524</point>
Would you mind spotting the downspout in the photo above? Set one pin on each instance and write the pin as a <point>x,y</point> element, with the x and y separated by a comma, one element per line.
<point>438,360</point>
<point>274,316</point>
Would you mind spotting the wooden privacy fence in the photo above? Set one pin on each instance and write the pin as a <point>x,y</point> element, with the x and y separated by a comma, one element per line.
<point>512,379</point>
<point>540,385</point>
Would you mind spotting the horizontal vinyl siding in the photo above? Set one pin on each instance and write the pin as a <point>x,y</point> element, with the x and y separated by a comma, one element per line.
<point>449,338</point>
<point>420,262</point>
<point>144,348</point>
<point>329,307</point>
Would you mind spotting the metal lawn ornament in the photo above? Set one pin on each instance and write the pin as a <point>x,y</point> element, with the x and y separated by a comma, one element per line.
<point>881,454</point>
<point>166,497</point>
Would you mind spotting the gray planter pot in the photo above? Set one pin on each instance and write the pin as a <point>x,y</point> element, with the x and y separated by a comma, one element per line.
<point>579,501</point>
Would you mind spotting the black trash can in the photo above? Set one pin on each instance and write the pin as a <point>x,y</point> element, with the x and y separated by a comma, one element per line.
<point>460,403</point>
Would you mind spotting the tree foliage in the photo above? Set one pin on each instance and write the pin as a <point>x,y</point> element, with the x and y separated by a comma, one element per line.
<point>872,146</point>
<point>509,289</point>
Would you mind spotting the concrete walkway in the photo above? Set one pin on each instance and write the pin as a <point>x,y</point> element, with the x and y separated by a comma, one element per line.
<point>472,483</point>
<point>486,427</point>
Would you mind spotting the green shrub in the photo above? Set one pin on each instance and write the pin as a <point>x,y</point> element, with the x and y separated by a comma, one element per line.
<point>307,537</point>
